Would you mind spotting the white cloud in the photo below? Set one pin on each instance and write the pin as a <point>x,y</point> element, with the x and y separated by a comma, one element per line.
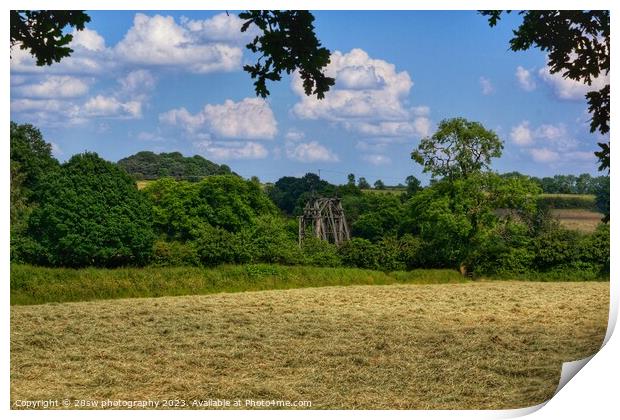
<point>137,82</point>
<point>221,27</point>
<point>294,135</point>
<point>56,150</point>
<point>160,41</point>
<point>544,155</point>
<point>524,77</point>
<point>569,89</point>
<point>88,39</point>
<point>250,118</point>
<point>232,150</point>
<point>109,106</point>
<point>54,87</point>
<point>377,160</point>
<point>369,98</point>
<point>521,134</point>
<point>310,152</point>
<point>421,111</point>
<point>487,86</point>
<point>418,127</point>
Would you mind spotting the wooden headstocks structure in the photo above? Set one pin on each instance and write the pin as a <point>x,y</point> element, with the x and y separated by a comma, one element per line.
<point>325,218</point>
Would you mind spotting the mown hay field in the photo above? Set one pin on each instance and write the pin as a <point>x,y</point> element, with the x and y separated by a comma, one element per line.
<point>486,344</point>
<point>577,219</point>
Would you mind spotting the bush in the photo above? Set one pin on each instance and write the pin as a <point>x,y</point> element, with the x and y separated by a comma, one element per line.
<point>320,253</point>
<point>174,254</point>
<point>270,241</point>
<point>360,253</point>
<point>217,246</point>
<point>90,213</point>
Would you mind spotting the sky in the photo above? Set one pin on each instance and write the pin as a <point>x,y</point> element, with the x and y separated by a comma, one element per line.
<point>174,81</point>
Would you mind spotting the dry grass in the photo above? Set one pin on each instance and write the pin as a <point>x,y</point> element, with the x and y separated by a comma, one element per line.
<point>577,219</point>
<point>473,345</point>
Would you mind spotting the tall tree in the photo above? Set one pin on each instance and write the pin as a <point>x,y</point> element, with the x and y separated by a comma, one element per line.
<point>577,47</point>
<point>458,149</point>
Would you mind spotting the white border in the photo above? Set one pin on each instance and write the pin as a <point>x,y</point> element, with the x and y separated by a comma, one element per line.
<point>591,394</point>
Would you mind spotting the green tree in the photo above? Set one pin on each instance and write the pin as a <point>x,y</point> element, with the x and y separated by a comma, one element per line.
<point>184,210</point>
<point>602,198</point>
<point>413,185</point>
<point>90,213</point>
<point>379,185</point>
<point>458,149</point>
<point>362,184</point>
<point>31,154</point>
<point>351,179</point>
<point>43,32</point>
<point>291,193</point>
<point>577,45</point>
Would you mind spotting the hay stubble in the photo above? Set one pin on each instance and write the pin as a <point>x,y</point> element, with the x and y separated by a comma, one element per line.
<point>475,345</point>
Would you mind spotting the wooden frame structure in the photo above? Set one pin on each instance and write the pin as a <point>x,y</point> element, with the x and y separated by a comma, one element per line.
<point>326,219</point>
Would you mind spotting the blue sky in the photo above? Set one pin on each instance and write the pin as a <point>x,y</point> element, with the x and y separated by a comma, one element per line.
<point>173,81</point>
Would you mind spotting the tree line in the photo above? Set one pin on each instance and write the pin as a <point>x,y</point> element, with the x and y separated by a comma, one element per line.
<point>89,212</point>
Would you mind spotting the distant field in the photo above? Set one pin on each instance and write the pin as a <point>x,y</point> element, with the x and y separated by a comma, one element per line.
<point>474,345</point>
<point>143,183</point>
<point>395,191</point>
<point>577,219</point>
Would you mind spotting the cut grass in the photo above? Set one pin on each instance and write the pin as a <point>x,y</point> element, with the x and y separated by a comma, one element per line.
<point>478,345</point>
<point>35,285</point>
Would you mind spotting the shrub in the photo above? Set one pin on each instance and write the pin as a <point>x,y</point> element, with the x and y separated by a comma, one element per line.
<point>359,252</point>
<point>90,213</point>
<point>270,241</point>
<point>320,253</point>
<point>174,253</point>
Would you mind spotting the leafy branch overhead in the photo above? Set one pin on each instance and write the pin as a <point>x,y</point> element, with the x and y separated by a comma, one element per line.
<point>287,43</point>
<point>577,46</point>
<point>41,32</point>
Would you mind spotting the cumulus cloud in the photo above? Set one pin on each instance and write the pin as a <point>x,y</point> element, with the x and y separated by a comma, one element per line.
<point>544,155</point>
<point>232,150</point>
<point>310,152</point>
<point>525,79</point>
<point>250,118</point>
<point>160,41</point>
<point>521,134</point>
<point>377,160</point>
<point>549,143</point>
<point>54,87</point>
<point>109,106</point>
<point>569,89</point>
<point>486,86</point>
<point>294,135</point>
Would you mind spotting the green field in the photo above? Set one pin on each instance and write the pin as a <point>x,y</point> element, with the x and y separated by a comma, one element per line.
<point>35,285</point>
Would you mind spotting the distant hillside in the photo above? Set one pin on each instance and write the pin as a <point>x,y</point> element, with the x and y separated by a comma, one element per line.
<point>149,165</point>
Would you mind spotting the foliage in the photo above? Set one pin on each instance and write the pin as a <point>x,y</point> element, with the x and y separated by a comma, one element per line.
<point>379,185</point>
<point>90,213</point>
<point>43,32</point>
<point>320,253</point>
<point>31,153</point>
<point>458,148</point>
<point>451,216</point>
<point>149,165</point>
<point>287,43</point>
<point>185,210</point>
<point>577,46</point>
<point>360,253</point>
<point>174,253</point>
<point>570,184</point>
<point>413,186</point>
<point>602,198</point>
<point>567,201</point>
<point>362,184</point>
<point>290,193</point>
